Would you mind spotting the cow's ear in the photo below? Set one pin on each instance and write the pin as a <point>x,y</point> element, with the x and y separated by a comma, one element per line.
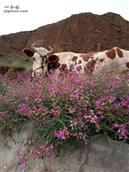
<point>28,52</point>
<point>53,58</point>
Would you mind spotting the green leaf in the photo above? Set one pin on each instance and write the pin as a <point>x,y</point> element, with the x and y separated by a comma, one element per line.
<point>59,121</point>
<point>68,117</point>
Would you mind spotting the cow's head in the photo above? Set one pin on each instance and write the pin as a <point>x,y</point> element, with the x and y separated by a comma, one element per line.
<point>43,60</point>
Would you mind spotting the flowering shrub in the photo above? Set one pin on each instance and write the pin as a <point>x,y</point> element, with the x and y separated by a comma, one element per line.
<point>66,109</point>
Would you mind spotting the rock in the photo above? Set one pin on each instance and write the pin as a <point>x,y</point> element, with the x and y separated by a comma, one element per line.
<point>99,155</point>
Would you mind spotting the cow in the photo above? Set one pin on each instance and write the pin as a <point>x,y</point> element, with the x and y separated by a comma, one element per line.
<point>114,59</point>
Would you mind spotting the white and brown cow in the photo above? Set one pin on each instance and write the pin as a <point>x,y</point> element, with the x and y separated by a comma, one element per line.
<point>115,59</point>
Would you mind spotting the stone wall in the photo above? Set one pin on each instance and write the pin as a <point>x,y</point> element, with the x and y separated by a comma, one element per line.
<point>100,155</point>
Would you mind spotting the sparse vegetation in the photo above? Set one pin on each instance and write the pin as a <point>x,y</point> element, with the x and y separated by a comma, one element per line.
<point>14,60</point>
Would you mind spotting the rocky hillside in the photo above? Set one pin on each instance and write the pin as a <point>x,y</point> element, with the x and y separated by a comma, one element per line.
<point>80,33</point>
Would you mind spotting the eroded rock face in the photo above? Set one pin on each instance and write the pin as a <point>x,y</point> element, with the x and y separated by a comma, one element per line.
<point>83,32</point>
<point>100,155</point>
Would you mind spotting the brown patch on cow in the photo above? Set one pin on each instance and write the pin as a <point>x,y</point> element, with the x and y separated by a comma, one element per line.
<point>79,62</point>
<point>111,53</point>
<point>127,64</point>
<point>28,52</point>
<point>101,60</point>
<point>74,58</point>
<point>53,62</point>
<point>119,52</point>
<point>53,58</point>
<point>89,68</point>
<point>52,66</point>
<point>63,67</point>
<point>87,56</point>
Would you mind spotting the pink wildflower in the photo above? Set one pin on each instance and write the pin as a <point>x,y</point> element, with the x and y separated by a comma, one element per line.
<point>24,109</point>
<point>71,110</point>
<point>56,111</point>
<point>62,134</point>
<point>123,133</point>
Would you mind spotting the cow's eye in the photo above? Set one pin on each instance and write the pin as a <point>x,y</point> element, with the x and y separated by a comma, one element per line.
<point>33,58</point>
